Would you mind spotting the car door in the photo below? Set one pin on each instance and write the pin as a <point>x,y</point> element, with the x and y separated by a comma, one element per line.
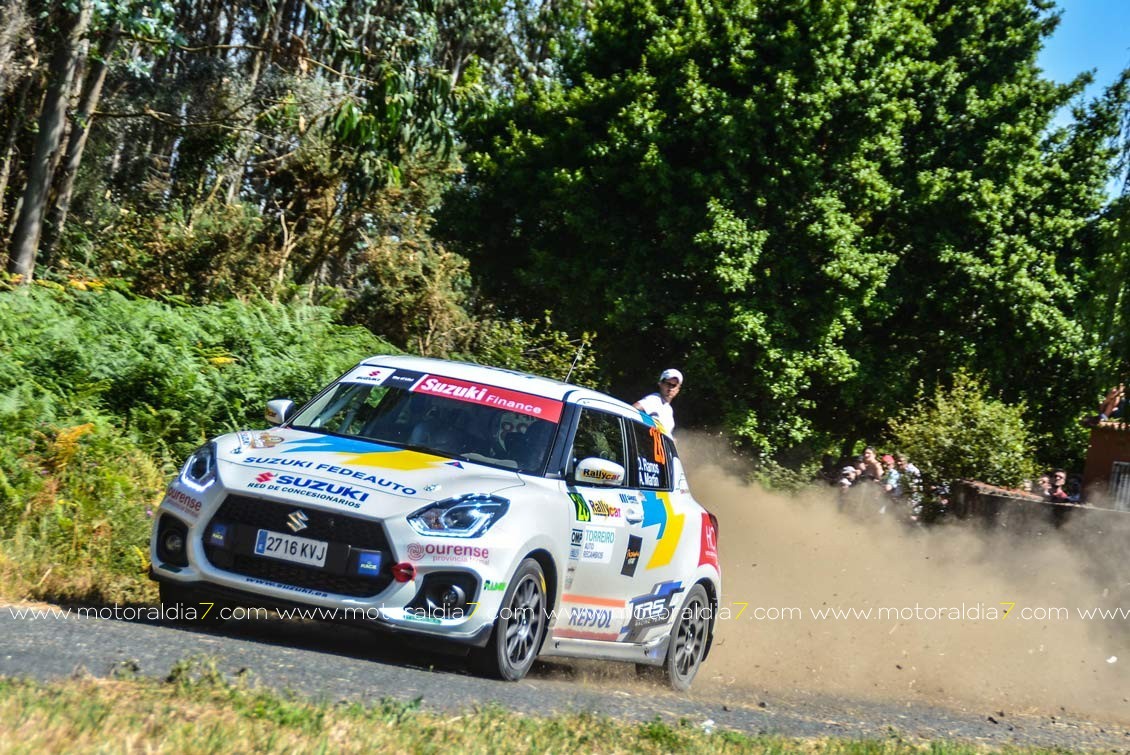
<point>594,601</point>
<point>657,524</point>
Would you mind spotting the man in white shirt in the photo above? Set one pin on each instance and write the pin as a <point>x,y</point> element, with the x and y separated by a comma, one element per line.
<point>658,404</point>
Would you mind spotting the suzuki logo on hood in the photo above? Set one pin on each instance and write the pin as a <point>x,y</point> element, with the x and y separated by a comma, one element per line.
<point>297,520</point>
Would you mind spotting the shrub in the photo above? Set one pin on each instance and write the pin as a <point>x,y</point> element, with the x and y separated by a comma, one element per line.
<point>961,433</point>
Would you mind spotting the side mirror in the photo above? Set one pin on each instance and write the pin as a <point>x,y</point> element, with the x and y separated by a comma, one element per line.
<point>595,471</point>
<point>279,410</point>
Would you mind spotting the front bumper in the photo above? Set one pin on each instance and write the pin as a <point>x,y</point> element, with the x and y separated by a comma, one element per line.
<point>227,567</point>
<point>225,595</point>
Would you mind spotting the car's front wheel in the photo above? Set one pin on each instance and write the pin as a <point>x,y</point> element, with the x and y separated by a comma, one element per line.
<point>519,628</point>
<point>689,638</point>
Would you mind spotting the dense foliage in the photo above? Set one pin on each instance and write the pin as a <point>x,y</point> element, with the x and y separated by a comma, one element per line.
<point>812,208</point>
<point>816,210</point>
<point>102,396</point>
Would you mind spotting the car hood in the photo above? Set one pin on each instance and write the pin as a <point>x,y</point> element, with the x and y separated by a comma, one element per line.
<point>326,470</point>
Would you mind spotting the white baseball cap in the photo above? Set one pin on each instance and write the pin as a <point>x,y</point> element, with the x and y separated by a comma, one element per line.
<point>672,373</point>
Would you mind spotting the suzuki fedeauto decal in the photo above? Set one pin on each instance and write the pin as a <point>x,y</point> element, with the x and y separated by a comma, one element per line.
<point>500,398</point>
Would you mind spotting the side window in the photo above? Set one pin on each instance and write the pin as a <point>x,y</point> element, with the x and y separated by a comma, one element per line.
<point>651,467</point>
<point>600,435</point>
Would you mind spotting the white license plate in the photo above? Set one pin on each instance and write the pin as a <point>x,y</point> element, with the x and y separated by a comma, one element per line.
<point>300,550</point>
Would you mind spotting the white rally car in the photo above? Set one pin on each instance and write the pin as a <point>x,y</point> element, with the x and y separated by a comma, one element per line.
<point>515,515</point>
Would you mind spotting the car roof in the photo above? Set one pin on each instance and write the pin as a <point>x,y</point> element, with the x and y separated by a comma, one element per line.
<point>499,377</point>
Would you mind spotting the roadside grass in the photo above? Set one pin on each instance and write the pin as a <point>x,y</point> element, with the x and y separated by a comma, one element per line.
<point>196,709</point>
<point>103,395</point>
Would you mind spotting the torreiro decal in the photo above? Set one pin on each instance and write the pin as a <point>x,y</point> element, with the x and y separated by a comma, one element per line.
<point>488,395</point>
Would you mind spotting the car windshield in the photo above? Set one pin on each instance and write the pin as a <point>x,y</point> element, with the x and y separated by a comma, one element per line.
<point>469,421</point>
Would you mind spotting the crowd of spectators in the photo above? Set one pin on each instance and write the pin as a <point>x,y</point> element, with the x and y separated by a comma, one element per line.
<point>892,481</point>
<point>1056,487</point>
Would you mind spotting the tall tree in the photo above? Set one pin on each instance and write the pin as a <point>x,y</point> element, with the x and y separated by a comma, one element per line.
<point>813,207</point>
<point>65,61</point>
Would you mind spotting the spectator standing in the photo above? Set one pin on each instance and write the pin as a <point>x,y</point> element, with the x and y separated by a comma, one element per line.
<point>910,479</point>
<point>890,478</point>
<point>1113,406</point>
<point>872,469</point>
<point>1058,491</point>
<point>658,404</point>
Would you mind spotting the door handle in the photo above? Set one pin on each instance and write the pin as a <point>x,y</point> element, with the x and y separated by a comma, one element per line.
<point>633,514</point>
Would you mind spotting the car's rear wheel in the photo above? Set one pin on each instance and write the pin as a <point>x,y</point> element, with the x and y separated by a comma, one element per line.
<point>689,638</point>
<point>519,628</point>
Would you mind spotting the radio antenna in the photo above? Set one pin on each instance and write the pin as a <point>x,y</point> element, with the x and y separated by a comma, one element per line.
<point>580,350</point>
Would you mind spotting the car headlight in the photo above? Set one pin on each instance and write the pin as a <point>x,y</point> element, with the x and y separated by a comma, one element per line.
<point>200,469</point>
<point>466,516</point>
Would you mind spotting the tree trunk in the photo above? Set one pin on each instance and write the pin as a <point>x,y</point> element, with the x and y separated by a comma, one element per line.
<point>52,121</point>
<point>14,125</point>
<point>91,95</point>
<point>260,58</point>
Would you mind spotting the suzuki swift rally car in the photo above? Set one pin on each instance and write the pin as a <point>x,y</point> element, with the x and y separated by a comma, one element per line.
<point>514,515</point>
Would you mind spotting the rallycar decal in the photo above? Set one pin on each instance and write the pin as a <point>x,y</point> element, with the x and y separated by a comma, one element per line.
<point>600,475</point>
<point>605,511</point>
<point>489,395</point>
<point>657,511</point>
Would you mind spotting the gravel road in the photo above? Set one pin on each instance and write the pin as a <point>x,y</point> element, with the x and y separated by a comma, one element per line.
<point>332,663</point>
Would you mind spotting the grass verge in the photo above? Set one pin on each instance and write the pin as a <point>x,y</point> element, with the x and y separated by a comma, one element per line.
<point>196,709</point>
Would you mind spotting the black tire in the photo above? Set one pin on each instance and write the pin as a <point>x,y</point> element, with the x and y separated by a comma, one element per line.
<point>519,628</point>
<point>690,636</point>
<point>190,609</point>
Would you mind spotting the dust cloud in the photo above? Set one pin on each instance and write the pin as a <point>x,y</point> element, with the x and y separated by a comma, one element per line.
<point>943,637</point>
